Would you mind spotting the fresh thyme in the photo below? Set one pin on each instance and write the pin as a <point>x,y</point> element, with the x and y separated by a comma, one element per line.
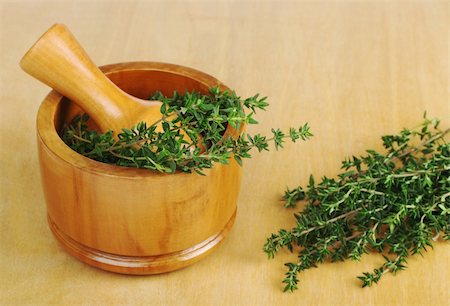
<point>396,204</point>
<point>204,118</point>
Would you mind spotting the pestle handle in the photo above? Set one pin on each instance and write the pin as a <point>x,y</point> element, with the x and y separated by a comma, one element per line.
<point>58,60</point>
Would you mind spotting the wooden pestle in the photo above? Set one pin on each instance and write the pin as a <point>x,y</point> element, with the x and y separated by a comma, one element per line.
<point>58,60</point>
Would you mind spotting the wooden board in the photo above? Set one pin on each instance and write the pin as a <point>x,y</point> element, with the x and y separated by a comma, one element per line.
<point>353,70</point>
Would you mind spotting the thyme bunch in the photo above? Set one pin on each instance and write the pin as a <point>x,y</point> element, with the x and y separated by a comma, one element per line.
<point>396,203</point>
<point>204,118</point>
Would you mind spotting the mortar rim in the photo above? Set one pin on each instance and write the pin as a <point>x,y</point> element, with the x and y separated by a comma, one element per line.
<point>54,145</point>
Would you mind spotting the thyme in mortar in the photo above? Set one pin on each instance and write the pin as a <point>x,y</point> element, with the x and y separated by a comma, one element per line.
<point>395,203</point>
<point>204,118</point>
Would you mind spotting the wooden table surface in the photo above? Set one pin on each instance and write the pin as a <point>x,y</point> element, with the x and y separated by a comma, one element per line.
<point>353,70</point>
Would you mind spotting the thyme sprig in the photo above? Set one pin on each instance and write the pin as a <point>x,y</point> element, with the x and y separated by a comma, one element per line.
<point>396,203</point>
<point>204,118</point>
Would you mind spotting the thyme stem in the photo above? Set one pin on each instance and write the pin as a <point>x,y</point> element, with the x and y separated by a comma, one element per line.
<point>375,205</point>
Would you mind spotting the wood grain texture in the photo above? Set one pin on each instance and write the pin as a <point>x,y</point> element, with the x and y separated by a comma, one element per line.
<point>141,265</point>
<point>135,220</point>
<point>58,60</point>
<point>354,70</point>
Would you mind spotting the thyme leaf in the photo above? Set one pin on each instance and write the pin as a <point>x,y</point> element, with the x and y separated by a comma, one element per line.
<point>396,203</point>
<point>202,117</point>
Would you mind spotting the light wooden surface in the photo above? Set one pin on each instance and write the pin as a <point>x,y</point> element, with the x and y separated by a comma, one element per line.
<point>353,70</point>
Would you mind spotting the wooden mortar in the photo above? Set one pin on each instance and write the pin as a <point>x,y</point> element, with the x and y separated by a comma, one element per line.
<point>127,220</point>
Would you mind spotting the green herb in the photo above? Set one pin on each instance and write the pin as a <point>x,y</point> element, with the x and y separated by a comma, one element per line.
<point>396,203</point>
<point>204,118</point>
